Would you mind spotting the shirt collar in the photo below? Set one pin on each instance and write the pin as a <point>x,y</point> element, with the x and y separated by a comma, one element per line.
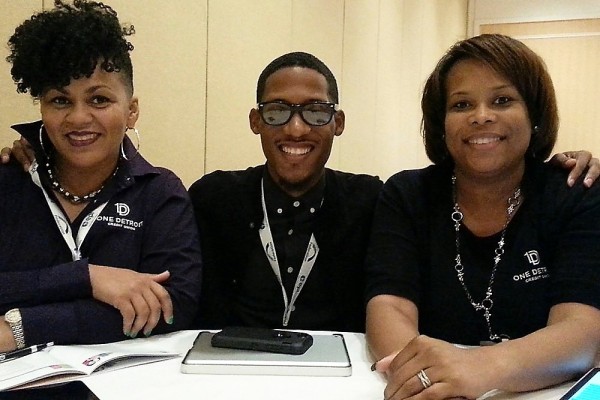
<point>280,203</point>
<point>128,170</point>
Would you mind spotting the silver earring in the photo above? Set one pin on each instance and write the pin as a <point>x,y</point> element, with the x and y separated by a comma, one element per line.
<point>42,142</point>
<point>536,129</point>
<point>137,148</point>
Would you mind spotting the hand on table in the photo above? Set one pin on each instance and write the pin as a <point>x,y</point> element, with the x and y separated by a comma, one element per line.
<point>447,371</point>
<point>139,297</point>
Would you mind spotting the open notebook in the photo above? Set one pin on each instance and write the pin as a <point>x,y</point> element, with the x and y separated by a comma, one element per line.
<point>59,364</point>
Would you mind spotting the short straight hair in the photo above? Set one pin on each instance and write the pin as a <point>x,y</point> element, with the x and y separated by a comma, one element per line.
<point>513,60</point>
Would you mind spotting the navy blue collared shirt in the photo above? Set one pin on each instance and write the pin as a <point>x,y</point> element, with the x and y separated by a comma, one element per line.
<point>147,226</point>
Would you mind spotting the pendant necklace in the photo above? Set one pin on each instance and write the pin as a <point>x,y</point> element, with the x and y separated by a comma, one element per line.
<point>486,303</point>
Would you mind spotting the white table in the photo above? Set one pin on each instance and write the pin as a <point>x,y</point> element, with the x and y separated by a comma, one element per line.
<point>162,380</point>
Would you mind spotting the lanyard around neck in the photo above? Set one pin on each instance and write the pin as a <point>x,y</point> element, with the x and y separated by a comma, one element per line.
<point>266,237</point>
<point>62,222</point>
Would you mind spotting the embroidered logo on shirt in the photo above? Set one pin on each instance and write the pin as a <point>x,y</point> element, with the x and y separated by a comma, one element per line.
<point>122,210</point>
<point>533,257</point>
<point>534,274</point>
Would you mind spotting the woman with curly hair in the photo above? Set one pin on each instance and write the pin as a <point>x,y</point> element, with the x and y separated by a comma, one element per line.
<point>95,244</point>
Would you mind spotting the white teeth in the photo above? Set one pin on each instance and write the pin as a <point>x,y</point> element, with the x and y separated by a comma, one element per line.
<point>297,151</point>
<point>484,140</point>
<point>88,136</point>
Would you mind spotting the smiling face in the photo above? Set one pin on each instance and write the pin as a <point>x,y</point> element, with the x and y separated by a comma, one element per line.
<point>296,152</point>
<point>487,125</point>
<point>87,119</point>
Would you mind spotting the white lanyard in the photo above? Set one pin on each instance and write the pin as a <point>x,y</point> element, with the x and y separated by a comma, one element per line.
<point>62,222</point>
<point>266,237</point>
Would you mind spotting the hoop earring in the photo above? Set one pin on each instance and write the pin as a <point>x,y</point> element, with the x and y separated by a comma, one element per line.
<point>42,143</point>
<point>137,148</point>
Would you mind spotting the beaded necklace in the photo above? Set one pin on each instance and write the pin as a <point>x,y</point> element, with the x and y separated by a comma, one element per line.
<point>487,303</point>
<point>70,197</point>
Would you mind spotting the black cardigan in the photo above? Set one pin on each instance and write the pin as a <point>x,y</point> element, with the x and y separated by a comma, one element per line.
<point>228,211</point>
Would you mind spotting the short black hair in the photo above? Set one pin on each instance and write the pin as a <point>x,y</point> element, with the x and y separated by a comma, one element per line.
<point>518,64</point>
<point>298,59</point>
<point>67,42</point>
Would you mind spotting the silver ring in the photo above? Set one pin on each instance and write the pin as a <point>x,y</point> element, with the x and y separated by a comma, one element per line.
<point>425,381</point>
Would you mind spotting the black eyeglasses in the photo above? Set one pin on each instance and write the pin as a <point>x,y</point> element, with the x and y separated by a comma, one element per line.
<point>280,113</point>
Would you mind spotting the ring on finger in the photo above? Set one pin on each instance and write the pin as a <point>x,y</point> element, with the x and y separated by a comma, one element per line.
<point>425,381</point>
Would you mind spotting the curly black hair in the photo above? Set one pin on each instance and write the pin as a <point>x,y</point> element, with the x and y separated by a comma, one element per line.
<point>53,47</point>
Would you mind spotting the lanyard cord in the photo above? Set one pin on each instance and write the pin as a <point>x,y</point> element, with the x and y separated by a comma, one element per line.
<point>62,222</point>
<point>266,237</point>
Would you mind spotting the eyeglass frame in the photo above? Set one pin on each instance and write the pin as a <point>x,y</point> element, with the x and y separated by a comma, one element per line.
<point>297,109</point>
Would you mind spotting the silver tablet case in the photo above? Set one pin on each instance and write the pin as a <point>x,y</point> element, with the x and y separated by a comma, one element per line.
<point>327,356</point>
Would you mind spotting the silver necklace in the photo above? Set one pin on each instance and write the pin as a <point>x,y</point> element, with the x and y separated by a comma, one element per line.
<point>487,303</point>
<point>70,197</point>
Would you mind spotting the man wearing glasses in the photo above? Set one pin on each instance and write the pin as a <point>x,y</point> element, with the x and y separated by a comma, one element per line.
<point>283,244</point>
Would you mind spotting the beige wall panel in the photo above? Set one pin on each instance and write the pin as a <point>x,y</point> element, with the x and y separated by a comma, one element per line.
<point>429,29</point>
<point>194,76</point>
<point>571,50</point>
<point>359,85</point>
<point>390,47</point>
<point>391,133</point>
<point>169,73</point>
<point>506,11</point>
<point>14,107</point>
<point>566,34</point>
<point>553,28</point>
<point>577,85</point>
<point>318,28</point>
<point>170,80</point>
<point>244,36</point>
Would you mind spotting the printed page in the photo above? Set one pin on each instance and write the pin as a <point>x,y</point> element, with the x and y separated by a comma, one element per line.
<point>31,368</point>
<point>65,363</point>
<point>92,358</point>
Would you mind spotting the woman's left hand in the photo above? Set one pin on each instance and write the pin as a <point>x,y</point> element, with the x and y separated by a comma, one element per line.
<point>577,162</point>
<point>446,371</point>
